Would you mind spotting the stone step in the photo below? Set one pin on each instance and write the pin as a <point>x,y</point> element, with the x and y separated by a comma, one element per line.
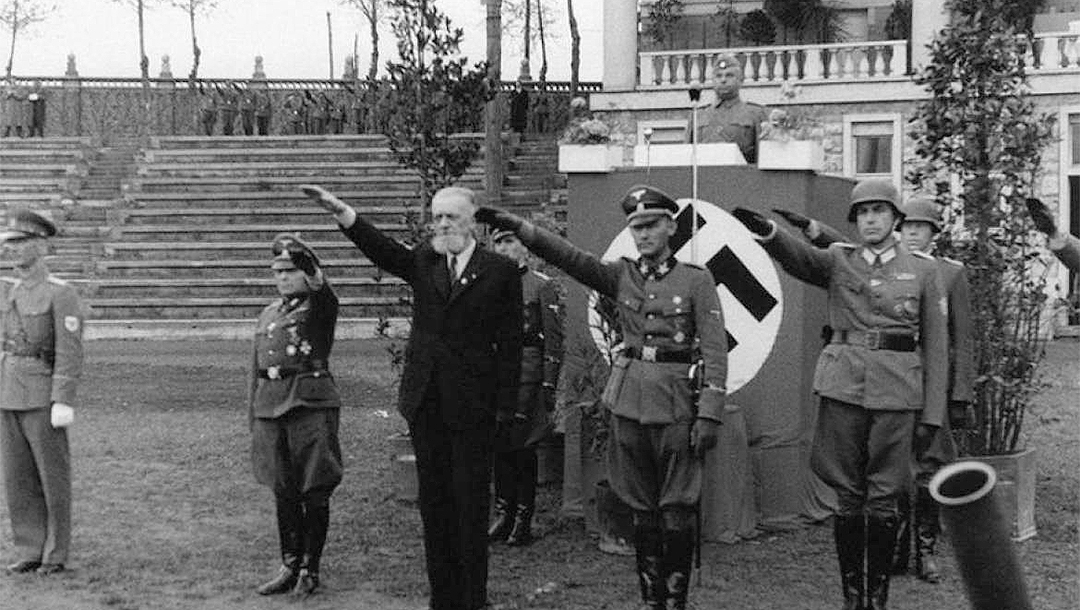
<point>308,213</point>
<point>43,143</point>
<point>271,142</point>
<point>31,199</point>
<point>229,307</point>
<point>41,170</point>
<point>237,232</point>
<point>260,287</point>
<point>22,157</point>
<point>192,200</point>
<point>251,155</point>
<point>375,169</point>
<point>324,246</point>
<point>228,185</point>
<point>57,184</point>
<point>355,266</point>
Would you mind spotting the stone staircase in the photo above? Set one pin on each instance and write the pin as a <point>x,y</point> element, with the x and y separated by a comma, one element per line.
<point>532,183</point>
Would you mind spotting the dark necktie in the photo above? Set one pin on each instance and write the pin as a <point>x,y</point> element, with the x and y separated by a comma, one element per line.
<point>877,262</point>
<point>453,269</point>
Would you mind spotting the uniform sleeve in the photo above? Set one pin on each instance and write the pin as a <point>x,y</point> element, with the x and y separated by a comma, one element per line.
<point>385,252</point>
<point>709,321</point>
<point>1068,252</point>
<point>324,306</point>
<point>827,236</point>
<point>583,266</point>
<point>253,379</point>
<point>68,320</point>
<point>800,259</point>
<point>934,338</point>
<point>551,313</point>
<point>509,337</point>
<point>961,338</point>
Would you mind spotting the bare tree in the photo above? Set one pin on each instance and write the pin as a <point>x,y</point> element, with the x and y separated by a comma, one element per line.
<point>373,12</point>
<point>17,15</point>
<point>543,41</point>
<point>191,7</point>
<point>575,49</point>
<point>518,17</point>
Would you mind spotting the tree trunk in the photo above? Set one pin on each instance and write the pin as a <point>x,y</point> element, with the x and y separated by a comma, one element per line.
<point>528,31</point>
<point>493,152</point>
<point>196,53</point>
<point>373,20</point>
<point>543,42</point>
<point>575,49</point>
<point>14,31</point>
<point>144,69</point>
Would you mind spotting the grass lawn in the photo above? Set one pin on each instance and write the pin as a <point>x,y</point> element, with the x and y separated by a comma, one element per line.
<point>168,516</point>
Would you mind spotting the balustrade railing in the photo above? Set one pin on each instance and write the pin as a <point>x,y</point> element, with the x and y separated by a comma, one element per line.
<point>840,62</point>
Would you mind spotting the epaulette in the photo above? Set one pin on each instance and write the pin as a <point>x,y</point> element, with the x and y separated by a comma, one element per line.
<point>542,275</point>
<point>693,265</point>
<point>9,280</point>
<point>952,261</point>
<point>843,244</point>
<point>55,280</point>
<point>922,255</point>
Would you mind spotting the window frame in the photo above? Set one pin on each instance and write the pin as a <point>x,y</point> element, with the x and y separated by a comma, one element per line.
<point>850,150</point>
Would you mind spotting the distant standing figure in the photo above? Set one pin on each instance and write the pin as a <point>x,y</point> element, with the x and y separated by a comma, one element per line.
<point>294,114</point>
<point>263,110</point>
<point>36,98</point>
<point>41,323</point>
<point>337,114</point>
<point>294,410</point>
<point>247,111</point>
<point>519,109</point>
<point>229,108</point>
<point>359,111</point>
<point>542,112</point>
<point>13,112</point>
<point>207,111</point>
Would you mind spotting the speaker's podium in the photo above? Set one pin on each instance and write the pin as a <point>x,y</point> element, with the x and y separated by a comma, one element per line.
<point>759,477</point>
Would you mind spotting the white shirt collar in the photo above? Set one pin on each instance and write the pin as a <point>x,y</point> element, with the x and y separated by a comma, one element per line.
<point>463,257</point>
<point>887,254</point>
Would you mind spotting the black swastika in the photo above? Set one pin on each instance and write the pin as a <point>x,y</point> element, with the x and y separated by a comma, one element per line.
<point>727,269</point>
<point>684,231</point>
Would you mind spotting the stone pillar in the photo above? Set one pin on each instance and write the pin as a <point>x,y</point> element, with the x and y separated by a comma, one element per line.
<point>928,18</point>
<point>71,96</point>
<point>620,45</point>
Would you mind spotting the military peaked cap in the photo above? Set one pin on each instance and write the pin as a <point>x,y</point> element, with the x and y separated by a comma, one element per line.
<point>647,201</point>
<point>287,248</point>
<point>499,234</point>
<point>727,60</point>
<point>25,223</point>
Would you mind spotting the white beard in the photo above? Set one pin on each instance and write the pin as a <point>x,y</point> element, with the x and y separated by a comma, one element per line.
<point>449,244</point>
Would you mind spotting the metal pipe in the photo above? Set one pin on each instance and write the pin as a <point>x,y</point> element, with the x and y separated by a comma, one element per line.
<point>980,536</point>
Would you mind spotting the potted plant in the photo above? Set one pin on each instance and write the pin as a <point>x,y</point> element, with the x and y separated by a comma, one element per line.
<point>791,139</point>
<point>979,143</point>
<point>586,145</point>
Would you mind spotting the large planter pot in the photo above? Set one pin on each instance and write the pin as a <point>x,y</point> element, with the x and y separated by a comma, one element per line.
<point>1015,490</point>
<point>791,155</point>
<point>589,158</point>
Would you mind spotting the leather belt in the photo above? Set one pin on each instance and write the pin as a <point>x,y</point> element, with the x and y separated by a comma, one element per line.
<point>652,354</point>
<point>288,370</point>
<point>877,339</point>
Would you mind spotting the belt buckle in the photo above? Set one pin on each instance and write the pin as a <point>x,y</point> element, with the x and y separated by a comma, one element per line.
<point>872,339</point>
<point>648,353</point>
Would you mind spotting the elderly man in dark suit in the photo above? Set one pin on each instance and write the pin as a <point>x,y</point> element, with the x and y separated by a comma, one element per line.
<point>462,367</point>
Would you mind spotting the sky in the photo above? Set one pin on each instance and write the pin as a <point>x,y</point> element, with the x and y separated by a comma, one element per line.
<point>291,35</point>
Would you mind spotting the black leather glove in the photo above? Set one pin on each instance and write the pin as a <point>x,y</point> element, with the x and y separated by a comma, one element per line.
<point>961,415</point>
<point>924,434</point>
<point>757,223</point>
<point>499,219</point>
<point>304,262</point>
<point>795,219</point>
<point>1040,215</point>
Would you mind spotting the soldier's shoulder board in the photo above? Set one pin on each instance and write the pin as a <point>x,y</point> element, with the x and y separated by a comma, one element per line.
<point>952,261</point>
<point>541,275</point>
<point>922,255</point>
<point>843,245</point>
<point>9,280</point>
<point>693,265</point>
<point>56,281</point>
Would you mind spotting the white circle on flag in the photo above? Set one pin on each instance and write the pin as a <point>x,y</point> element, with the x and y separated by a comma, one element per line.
<point>754,337</point>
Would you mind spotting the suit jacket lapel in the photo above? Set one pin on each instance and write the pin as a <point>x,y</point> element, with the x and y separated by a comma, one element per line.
<point>441,273</point>
<point>477,263</point>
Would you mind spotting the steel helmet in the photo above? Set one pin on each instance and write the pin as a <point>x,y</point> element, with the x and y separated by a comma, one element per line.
<point>923,209</point>
<point>875,189</point>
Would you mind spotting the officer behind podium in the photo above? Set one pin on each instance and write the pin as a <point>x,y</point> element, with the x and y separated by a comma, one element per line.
<point>731,119</point>
<point>886,366</point>
<point>293,411</point>
<point>515,463</point>
<point>42,326</point>
<point>670,314</point>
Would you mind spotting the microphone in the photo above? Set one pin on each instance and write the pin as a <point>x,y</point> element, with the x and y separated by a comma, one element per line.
<point>647,134</point>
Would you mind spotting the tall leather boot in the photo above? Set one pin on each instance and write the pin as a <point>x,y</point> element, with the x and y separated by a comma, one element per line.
<point>521,533</point>
<point>290,537</point>
<point>927,528</point>
<point>317,521</point>
<point>677,565</point>
<point>849,533</point>
<point>880,543</point>
<point>902,558</point>
<point>648,542</point>
<point>503,516</point>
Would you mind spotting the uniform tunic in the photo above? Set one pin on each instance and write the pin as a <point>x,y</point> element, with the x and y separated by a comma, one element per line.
<point>863,443</point>
<point>670,312</point>
<point>541,358</point>
<point>293,400</point>
<point>733,120</point>
<point>42,326</point>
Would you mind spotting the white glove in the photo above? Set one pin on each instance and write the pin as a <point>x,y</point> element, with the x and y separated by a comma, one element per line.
<point>61,415</point>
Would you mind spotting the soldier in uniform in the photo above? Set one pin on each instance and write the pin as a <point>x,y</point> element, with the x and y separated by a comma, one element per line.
<point>515,464</point>
<point>229,107</point>
<point>207,110</point>
<point>336,113</point>
<point>42,326</point>
<point>885,367</point>
<point>263,110</point>
<point>294,411</point>
<point>247,111</point>
<point>731,119</point>
<point>922,220</point>
<point>670,316</point>
<point>1066,247</point>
